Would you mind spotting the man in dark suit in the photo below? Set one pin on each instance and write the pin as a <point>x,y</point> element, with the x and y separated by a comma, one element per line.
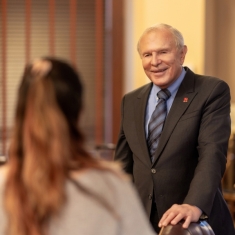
<point>180,178</point>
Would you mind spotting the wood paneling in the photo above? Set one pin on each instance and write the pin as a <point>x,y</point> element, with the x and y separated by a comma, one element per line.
<point>99,72</point>
<point>117,61</point>
<point>52,27</point>
<point>27,30</point>
<point>73,17</point>
<point>3,81</point>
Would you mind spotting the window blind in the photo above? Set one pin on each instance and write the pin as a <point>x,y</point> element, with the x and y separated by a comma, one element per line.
<point>39,28</point>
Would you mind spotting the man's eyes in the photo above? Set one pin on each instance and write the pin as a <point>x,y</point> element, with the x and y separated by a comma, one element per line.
<point>158,53</point>
<point>147,55</point>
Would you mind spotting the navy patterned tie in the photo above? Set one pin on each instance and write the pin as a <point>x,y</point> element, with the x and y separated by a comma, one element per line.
<point>156,121</point>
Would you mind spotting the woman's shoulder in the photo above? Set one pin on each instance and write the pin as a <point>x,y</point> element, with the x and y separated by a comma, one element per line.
<point>106,182</point>
<point>110,173</point>
<point>116,190</point>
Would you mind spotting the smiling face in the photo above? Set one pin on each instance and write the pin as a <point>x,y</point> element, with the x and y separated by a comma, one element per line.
<point>162,60</point>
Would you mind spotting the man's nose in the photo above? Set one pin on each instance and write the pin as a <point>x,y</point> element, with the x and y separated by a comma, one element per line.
<point>155,60</point>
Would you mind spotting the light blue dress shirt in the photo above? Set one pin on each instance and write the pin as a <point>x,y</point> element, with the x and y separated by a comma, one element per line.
<point>153,99</point>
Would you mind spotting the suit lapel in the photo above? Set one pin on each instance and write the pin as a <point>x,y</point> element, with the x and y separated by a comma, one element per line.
<point>140,107</point>
<point>182,100</point>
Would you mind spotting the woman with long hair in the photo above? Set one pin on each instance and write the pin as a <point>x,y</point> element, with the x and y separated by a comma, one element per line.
<point>51,184</point>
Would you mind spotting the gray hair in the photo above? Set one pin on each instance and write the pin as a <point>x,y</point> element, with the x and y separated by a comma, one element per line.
<point>179,40</point>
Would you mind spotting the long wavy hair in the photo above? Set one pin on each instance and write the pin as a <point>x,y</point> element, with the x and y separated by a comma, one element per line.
<point>46,145</point>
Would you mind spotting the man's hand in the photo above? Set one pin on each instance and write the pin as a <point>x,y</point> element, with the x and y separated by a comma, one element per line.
<point>177,213</point>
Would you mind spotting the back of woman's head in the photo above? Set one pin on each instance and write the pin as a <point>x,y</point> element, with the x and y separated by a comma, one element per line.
<point>68,89</point>
<point>57,80</point>
<point>46,144</point>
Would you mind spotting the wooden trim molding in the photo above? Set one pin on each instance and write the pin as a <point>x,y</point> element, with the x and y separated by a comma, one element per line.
<point>99,74</point>
<point>118,68</point>
<point>73,36</point>
<point>52,27</point>
<point>27,30</point>
<point>4,76</point>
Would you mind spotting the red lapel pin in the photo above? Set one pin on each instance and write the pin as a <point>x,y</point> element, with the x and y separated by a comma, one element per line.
<point>185,99</point>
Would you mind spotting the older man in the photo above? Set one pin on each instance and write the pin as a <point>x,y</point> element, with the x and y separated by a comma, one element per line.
<point>174,136</point>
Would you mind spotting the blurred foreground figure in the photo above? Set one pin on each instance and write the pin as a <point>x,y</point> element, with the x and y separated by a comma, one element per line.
<point>51,185</point>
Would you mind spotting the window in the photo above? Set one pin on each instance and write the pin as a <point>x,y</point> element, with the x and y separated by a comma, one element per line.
<point>82,32</point>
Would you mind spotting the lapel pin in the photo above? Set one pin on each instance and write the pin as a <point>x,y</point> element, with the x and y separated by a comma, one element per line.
<point>185,99</point>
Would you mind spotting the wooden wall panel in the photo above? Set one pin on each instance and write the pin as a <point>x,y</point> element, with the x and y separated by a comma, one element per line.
<point>3,75</point>
<point>73,30</point>
<point>99,74</point>
<point>118,62</point>
<point>27,30</point>
<point>52,27</point>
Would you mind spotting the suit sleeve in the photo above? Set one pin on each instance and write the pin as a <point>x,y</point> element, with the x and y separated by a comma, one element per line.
<point>123,152</point>
<point>213,136</point>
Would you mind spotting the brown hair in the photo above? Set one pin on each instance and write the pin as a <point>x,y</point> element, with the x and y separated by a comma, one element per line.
<point>46,145</point>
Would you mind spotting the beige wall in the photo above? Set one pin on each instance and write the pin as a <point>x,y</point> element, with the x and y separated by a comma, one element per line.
<point>187,16</point>
<point>208,30</point>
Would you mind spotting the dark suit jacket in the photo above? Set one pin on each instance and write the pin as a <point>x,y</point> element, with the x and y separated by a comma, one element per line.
<point>191,156</point>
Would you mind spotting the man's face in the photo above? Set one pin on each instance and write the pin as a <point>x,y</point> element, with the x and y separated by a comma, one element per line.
<point>162,60</point>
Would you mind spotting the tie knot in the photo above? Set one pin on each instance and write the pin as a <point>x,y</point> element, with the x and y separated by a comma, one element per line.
<point>164,94</point>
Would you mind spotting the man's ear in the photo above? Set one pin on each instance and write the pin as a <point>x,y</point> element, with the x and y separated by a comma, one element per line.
<point>183,53</point>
